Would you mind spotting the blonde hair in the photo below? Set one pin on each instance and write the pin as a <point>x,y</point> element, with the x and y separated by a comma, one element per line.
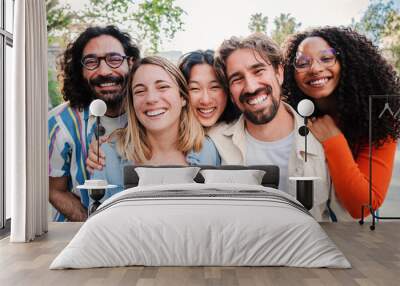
<point>132,141</point>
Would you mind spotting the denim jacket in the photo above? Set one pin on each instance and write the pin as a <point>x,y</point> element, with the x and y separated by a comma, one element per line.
<point>113,170</point>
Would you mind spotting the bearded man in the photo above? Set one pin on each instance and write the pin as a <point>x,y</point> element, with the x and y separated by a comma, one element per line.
<point>94,66</point>
<point>267,131</point>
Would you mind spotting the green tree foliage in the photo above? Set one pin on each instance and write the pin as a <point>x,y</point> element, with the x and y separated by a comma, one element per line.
<point>284,26</point>
<point>395,50</point>
<point>258,23</point>
<point>159,17</point>
<point>381,23</point>
<point>108,11</point>
<point>58,16</point>
<point>148,21</point>
<point>55,97</point>
<point>375,20</point>
<point>392,31</point>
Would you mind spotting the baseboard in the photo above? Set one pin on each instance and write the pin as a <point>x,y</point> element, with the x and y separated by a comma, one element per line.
<point>5,231</point>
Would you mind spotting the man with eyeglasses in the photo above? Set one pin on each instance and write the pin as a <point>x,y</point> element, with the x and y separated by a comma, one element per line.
<point>267,132</point>
<point>94,66</point>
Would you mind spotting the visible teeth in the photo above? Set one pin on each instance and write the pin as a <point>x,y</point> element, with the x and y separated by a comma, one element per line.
<point>257,100</point>
<point>209,110</point>
<point>155,112</point>
<point>319,81</point>
<point>107,84</point>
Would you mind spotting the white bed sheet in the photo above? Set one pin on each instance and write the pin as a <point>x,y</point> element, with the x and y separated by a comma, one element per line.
<point>202,231</point>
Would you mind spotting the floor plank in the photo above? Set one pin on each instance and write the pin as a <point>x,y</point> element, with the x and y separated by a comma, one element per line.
<point>374,255</point>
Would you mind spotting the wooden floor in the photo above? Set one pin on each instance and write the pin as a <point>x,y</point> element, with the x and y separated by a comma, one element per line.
<point>374,255</point>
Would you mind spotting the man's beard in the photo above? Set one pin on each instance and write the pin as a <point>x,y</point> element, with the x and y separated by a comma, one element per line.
<point>113,98</point>
<point>260,117</point>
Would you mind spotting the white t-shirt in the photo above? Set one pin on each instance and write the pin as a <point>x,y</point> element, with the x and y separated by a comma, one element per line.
<point>271,153</point>
<point>113,123</point>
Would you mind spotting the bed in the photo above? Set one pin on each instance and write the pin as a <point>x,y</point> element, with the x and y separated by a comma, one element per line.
<point>201,223</point>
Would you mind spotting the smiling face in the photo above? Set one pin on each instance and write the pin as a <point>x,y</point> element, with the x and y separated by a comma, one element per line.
<point>105,82</point>
<point>156,99</point>
<point>207,96</point>
<point>322,78</point>
<point>255,85</point>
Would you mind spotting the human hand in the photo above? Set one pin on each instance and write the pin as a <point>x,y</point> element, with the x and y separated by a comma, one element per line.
<point>91,160</point>
<point>323,128</point>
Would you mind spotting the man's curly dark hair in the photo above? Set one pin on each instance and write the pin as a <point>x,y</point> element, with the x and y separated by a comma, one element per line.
<point>363,72</point>
<point>74,87</point>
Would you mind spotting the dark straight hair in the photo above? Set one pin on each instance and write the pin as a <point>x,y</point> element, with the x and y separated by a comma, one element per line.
<point>191,59</point>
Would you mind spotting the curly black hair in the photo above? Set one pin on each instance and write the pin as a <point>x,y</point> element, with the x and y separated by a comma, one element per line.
<point>74,87</point>
<point>189,60</point>
<point>364,72</point>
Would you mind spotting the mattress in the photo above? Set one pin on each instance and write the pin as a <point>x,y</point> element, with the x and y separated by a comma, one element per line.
<point>201,225</point>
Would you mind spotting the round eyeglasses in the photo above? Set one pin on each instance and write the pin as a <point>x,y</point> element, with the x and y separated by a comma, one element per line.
<point>327,58</point>
<point>113,60</point>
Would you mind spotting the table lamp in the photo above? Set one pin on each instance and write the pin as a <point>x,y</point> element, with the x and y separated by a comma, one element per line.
<point>98,108</point>
<point>305,185</point>
<point>97,188</point>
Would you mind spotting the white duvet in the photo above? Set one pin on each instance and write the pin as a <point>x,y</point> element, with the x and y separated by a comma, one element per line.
<point>221,225</point>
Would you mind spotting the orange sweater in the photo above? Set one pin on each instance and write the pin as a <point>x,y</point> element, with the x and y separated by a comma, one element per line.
<point>351,178</point>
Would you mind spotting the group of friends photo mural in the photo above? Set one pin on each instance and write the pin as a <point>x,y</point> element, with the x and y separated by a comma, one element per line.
<point>232,106</point>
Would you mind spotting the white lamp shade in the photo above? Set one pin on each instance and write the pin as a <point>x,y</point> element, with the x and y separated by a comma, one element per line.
<point>305,108</point>
<point>98,107</point>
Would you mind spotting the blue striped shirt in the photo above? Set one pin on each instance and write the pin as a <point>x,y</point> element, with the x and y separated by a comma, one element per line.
<point>70,133</point>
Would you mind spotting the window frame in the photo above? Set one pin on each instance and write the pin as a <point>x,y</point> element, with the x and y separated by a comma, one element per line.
<point>6,39</point>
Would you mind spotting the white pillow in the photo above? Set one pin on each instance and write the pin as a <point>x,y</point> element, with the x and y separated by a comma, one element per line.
<point>249,177</point>
<point>163,176</point>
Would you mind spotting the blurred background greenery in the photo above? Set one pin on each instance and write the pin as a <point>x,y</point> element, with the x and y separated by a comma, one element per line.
<point>152,22</point>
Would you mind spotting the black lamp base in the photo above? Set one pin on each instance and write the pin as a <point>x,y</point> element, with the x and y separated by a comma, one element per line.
<point>96,195</point>
<point>305,190</point>
<point>305,193</point>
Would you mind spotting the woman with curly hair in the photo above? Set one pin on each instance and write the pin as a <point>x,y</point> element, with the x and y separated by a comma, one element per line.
<point>338,69</point>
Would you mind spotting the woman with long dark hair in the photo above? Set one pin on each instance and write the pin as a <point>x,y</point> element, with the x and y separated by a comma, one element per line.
<point>338,69</point>
<point>209,95</point>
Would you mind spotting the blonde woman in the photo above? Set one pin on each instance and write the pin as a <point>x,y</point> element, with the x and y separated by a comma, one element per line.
<point>162,128</point>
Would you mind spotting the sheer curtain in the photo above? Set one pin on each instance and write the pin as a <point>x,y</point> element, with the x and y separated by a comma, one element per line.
<point>26,123</point>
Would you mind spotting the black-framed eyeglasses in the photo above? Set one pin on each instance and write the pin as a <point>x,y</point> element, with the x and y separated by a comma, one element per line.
<point>326,58</point>
<point>113,60</point>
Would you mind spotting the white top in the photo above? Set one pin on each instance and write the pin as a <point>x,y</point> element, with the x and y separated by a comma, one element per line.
<point>230,140</point>
<point>304,178</point>
<point>271,153</point>
<point>113,123</point>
